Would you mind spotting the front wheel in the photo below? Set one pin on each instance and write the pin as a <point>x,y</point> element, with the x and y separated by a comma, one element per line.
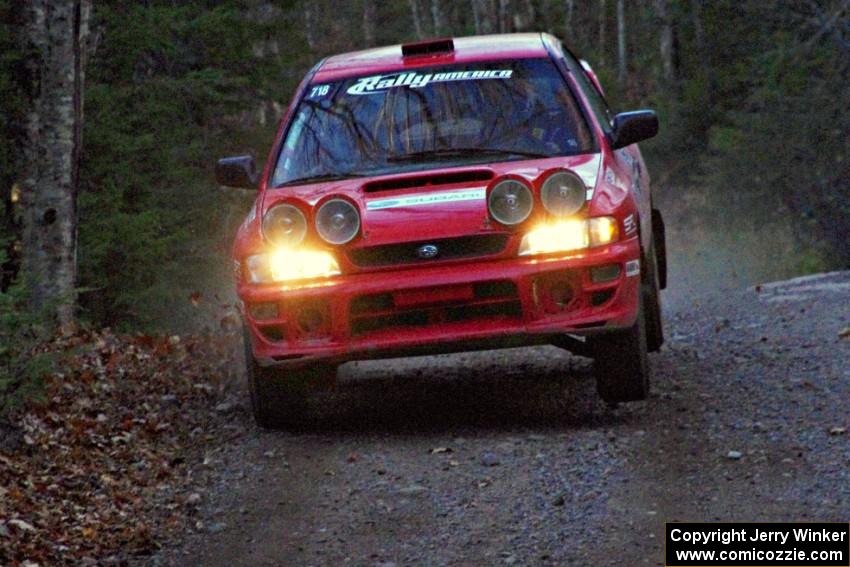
<point>280,399</point>
<point>621,362</point>
<point>650,290</point>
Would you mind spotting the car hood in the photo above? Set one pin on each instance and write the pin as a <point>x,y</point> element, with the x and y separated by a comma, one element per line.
<point>437,203</point>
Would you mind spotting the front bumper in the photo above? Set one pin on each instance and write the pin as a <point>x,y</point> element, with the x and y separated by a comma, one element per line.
<point>462,306</point>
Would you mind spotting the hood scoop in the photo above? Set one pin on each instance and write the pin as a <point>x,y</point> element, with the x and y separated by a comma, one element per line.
<point>425,206</point>
<point>429,180</point>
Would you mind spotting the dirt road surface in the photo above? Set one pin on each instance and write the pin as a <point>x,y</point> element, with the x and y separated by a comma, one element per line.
<point>508,457</point>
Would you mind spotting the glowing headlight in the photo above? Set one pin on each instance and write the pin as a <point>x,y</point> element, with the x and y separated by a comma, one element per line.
<point>284,225</point>
<point>510,202</point>
<point>287,265</point>
<point>555,237</point>
<point>570,234</point>
<point>602,230</point>
<point>337,221</point>
<point>563,194</point>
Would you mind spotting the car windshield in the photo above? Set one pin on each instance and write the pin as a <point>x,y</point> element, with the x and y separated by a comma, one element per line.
<point>432,117</point>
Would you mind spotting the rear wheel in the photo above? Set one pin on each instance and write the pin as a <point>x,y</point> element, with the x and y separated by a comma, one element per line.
<point>621,362</point>
<point>280,398</point>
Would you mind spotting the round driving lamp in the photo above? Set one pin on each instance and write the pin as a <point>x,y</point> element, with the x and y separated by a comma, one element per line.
<point>563,194</point>
<point>284,225</point>
<point>337,221</point>
<point>510,202</point>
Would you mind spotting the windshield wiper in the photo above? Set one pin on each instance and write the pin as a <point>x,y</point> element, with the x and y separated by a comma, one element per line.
<point>462,152</point>
<point>320,177</point>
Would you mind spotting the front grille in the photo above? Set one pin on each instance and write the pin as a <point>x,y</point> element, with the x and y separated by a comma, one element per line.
<point>448,249</point>
<point>496,300</point>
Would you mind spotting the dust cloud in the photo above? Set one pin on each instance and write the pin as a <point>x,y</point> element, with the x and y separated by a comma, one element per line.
<point>710,253</point>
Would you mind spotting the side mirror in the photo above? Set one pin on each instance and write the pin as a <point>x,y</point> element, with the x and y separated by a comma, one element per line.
<point>633,127</point>
<point>239,171</point>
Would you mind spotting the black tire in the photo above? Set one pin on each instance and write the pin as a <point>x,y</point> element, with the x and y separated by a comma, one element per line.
<point>650,289</point>
<point>280,399</point>
<point>659,234</point>
<point>621,363</point>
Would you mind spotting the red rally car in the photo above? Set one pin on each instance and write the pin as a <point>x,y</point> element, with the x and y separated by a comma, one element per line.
<point>442,196</point>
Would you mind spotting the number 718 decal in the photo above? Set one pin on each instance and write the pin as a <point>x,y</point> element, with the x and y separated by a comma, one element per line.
<point>319,91</point>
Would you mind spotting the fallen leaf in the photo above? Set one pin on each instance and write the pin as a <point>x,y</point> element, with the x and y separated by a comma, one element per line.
<point>21,525</point>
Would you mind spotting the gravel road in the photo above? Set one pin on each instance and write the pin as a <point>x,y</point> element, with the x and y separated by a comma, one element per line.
<point>507,457</point>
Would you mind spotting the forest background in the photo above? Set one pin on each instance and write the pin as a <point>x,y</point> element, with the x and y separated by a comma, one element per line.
<point>753,97</point>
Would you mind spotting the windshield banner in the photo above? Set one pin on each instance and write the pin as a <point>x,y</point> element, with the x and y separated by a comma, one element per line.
<point>378,83</point>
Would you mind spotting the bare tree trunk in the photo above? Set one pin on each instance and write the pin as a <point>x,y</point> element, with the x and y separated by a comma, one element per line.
<point>526,21</point>
<point>57,32</point>
<point>543,17</point>
<point>369,16</point>
<point>476,16</point>
<point>602,18</point>
<point>504,16</point>
<point>699,34</point>
<point>437,17</point>
<point>666,40</point>
<point>486,14</point>
<point>417,19</point>
<point>621,41</point>
<point>310,26</point>
<point>568,21</point>
<point>455,17</point>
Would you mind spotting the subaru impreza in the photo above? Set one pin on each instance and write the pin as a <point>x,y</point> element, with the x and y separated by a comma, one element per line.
<point>443,196</point>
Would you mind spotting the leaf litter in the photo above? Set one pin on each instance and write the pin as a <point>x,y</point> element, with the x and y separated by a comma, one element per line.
<point>101,469</point>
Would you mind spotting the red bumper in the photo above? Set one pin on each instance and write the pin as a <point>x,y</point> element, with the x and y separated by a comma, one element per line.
<point>443,308</point>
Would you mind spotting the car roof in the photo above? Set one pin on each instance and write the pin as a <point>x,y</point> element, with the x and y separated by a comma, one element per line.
<point>466,50</point>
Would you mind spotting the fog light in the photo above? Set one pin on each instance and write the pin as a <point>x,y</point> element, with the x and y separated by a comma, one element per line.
<point>311,320</point>
<point>600,297</point>
<point>263,311</point>
<point>561,293</point>
<point>273,334</point>
<point>605,273</point>
<point>510,202</point>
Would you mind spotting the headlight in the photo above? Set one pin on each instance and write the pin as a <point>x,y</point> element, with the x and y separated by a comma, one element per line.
<point>284,225</point>
<point>286,265</point>
<point>602,230</point>
<point>337,221</point>
<point>570,234</point>
<point>563,194</point>
<point>510,202</point>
